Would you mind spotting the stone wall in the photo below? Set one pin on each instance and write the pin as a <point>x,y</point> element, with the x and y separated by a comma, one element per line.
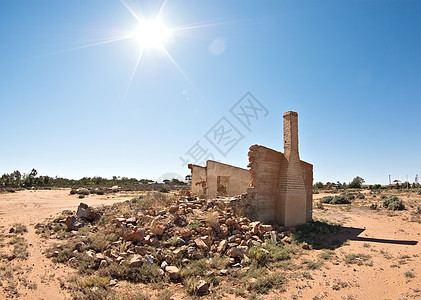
<point>218,179</point>
<point>238,179</point>
<point>198,180</point>
<point>279,185</point>
<point>281,188</point>
<point>265,165</point>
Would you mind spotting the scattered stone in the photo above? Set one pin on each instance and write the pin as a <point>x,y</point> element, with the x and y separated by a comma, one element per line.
<point>131,220</point>
<point>113,282</point>
<point>201,244</point>
<point>73,262</point>
<point>72,223</point>
<point>223,272</point>
<point>11,256</point>
<point>274,236</point>
<point>79,246</point>
<point>99,257</point>
<point>103,263</point>
<point>287,240</point>
<point>173,208</point>
<point>235,252</point>
<point>266,228</point>
<point>173,272</point>
<point>202,287</point>
<point>135,261</point>
<point>85,212</point>
<point>135,236</point>
<point>149,259</point>
<point>222,246</point>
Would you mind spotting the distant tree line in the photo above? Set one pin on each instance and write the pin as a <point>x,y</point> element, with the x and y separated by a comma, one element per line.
<point>358,181</point>
<point>17,179</point>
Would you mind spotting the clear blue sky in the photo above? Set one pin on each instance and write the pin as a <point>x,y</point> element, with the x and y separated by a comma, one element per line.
<point>351,69</point>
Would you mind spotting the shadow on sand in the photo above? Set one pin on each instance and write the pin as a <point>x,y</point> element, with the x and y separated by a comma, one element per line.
<point>321,235</point>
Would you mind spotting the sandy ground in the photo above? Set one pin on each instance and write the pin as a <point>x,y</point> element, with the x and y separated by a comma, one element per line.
<point>391,239</point>
<point>30,208</point>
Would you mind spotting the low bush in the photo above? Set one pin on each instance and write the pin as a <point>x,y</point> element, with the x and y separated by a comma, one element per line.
<point>344,198</point>
<point>358,259</point>
<point>360,195</point>
<point>326,199</point>
<point>393,203</point>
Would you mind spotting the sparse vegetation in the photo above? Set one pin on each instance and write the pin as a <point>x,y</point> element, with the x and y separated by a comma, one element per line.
<point>344,198</point>
<point>356,182</point>
<point>409,274</point>
<point>393,203</point>
<point>358,259</point>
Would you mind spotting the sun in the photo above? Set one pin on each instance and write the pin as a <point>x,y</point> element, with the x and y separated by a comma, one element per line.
<point>151,34</point>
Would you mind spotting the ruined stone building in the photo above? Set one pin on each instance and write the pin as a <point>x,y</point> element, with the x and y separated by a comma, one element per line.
<point>279,185</point>
<point>218,179</point>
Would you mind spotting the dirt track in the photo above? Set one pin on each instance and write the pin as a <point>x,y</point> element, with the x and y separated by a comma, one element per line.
<point>391,239</point>
<point>30,208</point>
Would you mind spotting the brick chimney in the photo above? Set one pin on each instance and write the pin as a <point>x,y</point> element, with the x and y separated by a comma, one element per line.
<point>291,135</point>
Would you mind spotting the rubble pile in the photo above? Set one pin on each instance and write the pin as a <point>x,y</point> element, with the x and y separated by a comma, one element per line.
<point>190,229</point>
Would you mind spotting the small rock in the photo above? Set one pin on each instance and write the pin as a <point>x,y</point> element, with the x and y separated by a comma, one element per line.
<point>113,282</point>
<point>149,259</point>
<point>267,228</point>
<point>135,236</point>
<point>72,223</point>
<point>201,244</point>
<point>223,272</point>
<point>79,246</point>
<point>135,261</point>
<point>103,263</point>
<point>287,240</point>
<point>85,212</point>
<point>131,220</point>
<point>173,208</point>
<point>222,246</point>
<point>99,257</point>
<point>234,252</point>
<point>12,256</point>
<point>274,236</point>
<point>173,272</point>
<point>73,262</point>
<point>202,287</point>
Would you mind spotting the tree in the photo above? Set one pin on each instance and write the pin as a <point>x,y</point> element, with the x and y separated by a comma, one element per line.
<point>318,185</point>
<point>356,182</point>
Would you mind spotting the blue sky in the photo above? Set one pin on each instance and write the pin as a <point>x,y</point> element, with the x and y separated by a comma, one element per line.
<point>351,69</point>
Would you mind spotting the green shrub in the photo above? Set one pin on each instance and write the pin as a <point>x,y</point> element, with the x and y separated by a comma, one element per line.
<point>393,203</point>
<point>266,282</point>
<point>340,199</point>
<point>409,274</point>
<point>344,198</point>
<point>326,199</point>
<point>360,195</point>
<point>359,258</point>
<point>319,205</point>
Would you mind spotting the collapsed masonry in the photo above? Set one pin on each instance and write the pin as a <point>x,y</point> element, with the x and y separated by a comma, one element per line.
<point>278,185</point>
